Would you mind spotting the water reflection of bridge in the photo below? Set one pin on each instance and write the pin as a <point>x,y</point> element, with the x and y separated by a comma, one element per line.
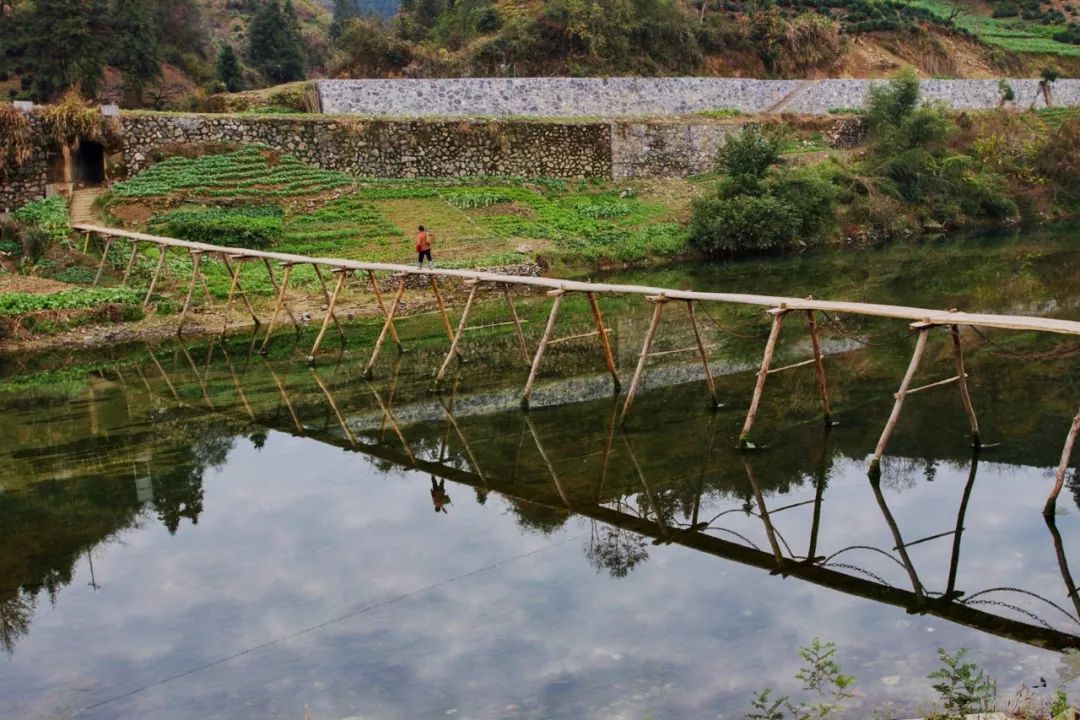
<point>492,458</point>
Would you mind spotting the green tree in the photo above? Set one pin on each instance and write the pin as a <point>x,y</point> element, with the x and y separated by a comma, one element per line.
<point>67,45</point>
<point>275,42</point>
<point>228,69</point>
<point>136,51</point>
<point>344,11</point>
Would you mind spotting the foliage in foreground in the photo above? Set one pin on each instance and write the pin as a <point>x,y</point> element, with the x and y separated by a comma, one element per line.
<point>963,688</point>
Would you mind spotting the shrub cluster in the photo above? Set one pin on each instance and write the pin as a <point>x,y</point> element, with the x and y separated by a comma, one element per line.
<point>758,206</point>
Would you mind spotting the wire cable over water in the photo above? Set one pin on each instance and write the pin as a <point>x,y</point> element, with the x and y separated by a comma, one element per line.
<point>350,614</point>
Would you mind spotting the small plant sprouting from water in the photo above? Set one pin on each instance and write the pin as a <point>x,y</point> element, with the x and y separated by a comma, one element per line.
<point>963,687</point>
<point>822,676</point>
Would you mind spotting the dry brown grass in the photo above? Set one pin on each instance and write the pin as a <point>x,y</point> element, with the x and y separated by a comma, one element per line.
<point>73,120</point>
<point>16,139</point>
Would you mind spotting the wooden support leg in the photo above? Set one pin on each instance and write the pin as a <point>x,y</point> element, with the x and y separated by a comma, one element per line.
<point>539,357</point>
<point>162,249</point>
<point>763,373</point>
<point>901,394</point>
<point>282,289</point>
<point>965,396</point>
<point>104,259</point>
<point>704,354</point>
<point>329,315</point>
<point>277,289</point>
<point>382,306</point>
<point>658,310</point>
<point>609,358</point>
<point>326,297</point>
<point>389,323</point>
<point>1063,466</point>
<point>196,260</point>
<point>442,312</point>
<point>131,260</point>
<point>235,275</point>
<point>457,336</point>
<point>517,322</point>
<point>819,366</point>
<point>240,260</point>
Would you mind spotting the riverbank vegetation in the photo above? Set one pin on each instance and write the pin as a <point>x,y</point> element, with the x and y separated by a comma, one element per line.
<point>962,688</point>
<point>924,171</point>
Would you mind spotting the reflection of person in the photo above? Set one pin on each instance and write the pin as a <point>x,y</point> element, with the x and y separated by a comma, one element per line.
<point>439,498</point>
<point>423,248</point>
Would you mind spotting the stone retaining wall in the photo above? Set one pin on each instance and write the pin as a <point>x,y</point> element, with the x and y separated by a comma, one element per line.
<point>623,97</point>
<point>27,183</point>
<point>385,148</point>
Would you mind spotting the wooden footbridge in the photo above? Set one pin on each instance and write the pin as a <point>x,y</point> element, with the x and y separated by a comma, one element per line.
<point>921,321</point>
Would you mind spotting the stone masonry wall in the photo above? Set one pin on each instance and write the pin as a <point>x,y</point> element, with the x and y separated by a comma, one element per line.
<point>637,97</point>
<point>383,148</point>
<point>27,183</point>
<point>665,149</point>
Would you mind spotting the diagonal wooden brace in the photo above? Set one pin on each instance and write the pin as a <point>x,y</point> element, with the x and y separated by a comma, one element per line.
<point>462,324</point>
<point>382,306</point>
<point>544,342</point>
<point>330,316</point>
<point>387,325</point>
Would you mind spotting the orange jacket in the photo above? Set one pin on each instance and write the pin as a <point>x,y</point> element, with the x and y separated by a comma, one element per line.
<point>423,241</point>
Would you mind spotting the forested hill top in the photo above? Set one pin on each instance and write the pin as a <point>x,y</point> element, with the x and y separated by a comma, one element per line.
<point>174,54</point>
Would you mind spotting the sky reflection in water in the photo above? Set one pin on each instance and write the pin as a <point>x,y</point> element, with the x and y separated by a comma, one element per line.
<point>316,576</point>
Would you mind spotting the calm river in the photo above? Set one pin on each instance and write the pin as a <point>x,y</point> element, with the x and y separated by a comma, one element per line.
<point>193,530</point>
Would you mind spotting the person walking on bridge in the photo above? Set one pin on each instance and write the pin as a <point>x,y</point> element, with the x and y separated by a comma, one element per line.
<point>423,247</point>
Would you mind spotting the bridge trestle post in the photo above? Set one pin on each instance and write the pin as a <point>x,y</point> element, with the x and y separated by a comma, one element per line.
<point>703,353</point>
<point>517,322</point>
<point>763,373</point>
<point>544,341</point>
<point>961,374</point>
<point>282,289</point>
<point>104,259</point>
<point>162,248</point>
<point>443,313</point>
<point>1063,466</point>
<point>388,325</point>
<point>342,274</point>
<point>658,310</point>
<point>598,321</point>
<point>456,340</point>
<point>196,261</point>
<point>923,330</point>
<point>819,367</point>
<point>131,261</point>
<point>326,298</point>
<point>382,306</point>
